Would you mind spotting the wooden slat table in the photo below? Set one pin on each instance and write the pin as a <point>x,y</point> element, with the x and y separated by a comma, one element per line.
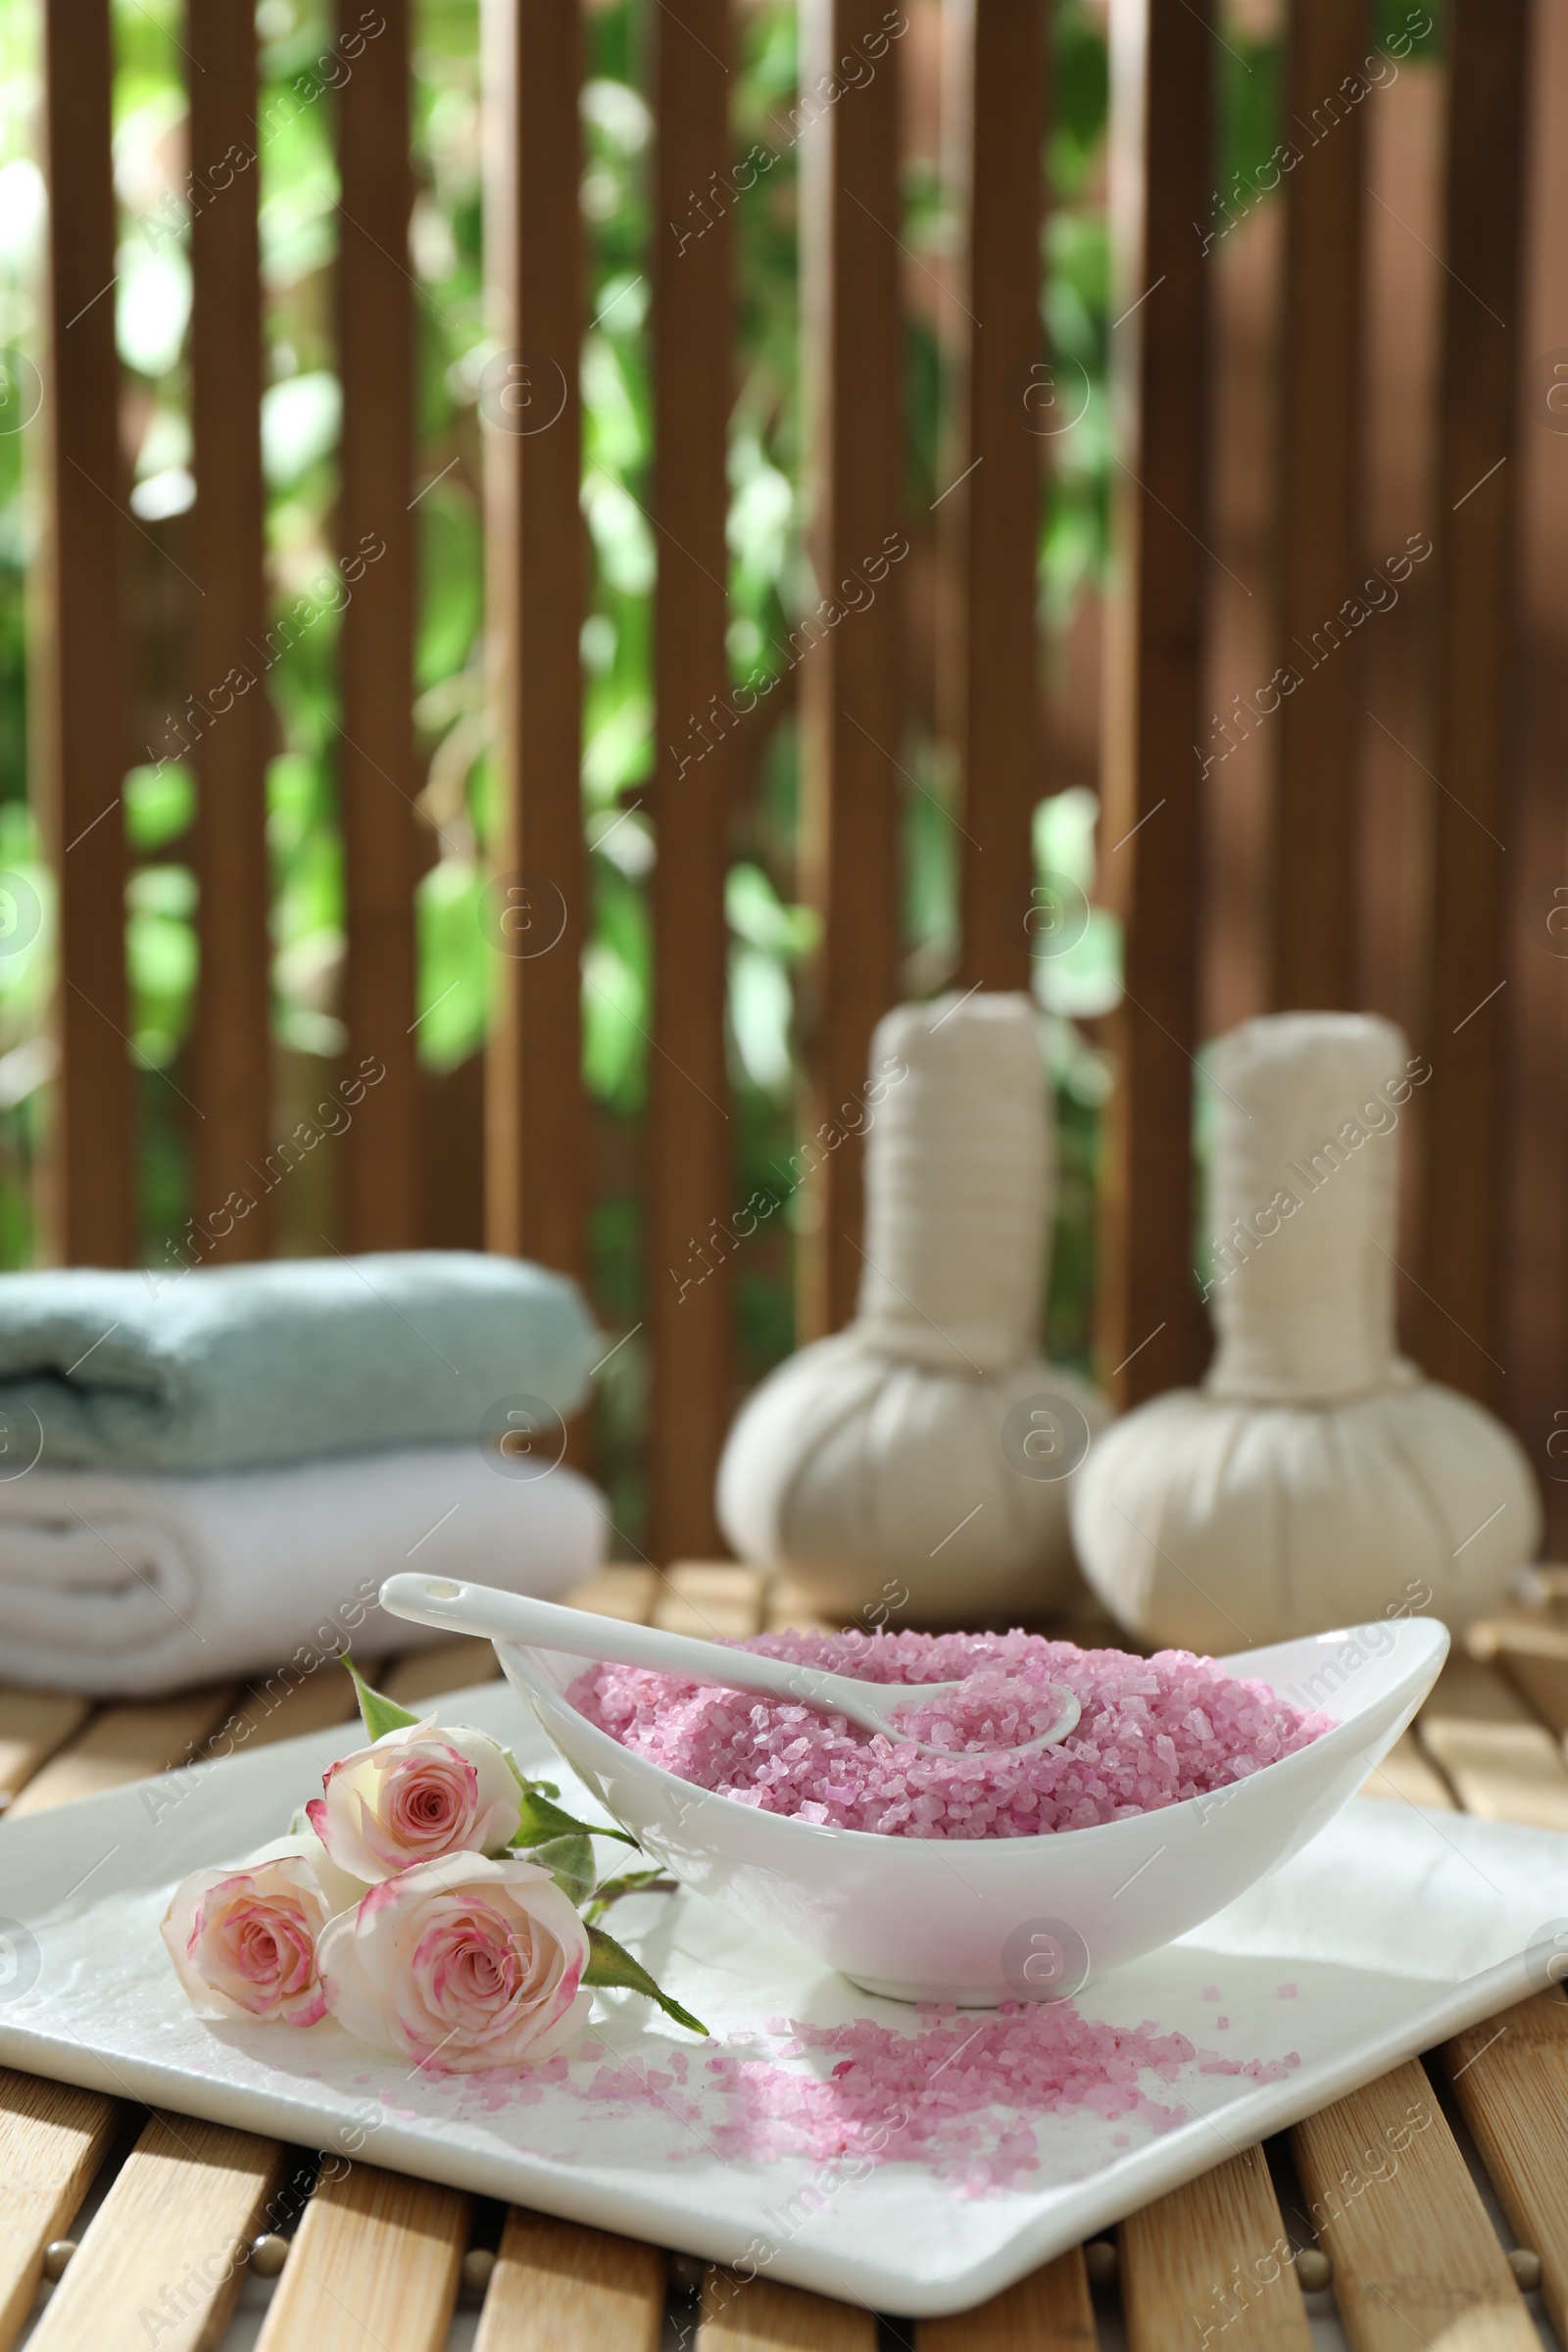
<point>159,2204</point>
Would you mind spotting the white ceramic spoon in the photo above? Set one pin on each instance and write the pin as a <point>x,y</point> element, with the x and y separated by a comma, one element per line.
<point>483,1609</point>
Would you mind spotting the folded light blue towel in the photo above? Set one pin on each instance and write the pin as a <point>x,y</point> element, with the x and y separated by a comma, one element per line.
<point>231,1365</point>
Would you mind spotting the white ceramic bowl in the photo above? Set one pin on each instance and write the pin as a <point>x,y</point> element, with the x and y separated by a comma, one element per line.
<point>980,1921</point>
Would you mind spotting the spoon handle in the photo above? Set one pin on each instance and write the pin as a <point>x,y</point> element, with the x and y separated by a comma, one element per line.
<point>483,1610</point>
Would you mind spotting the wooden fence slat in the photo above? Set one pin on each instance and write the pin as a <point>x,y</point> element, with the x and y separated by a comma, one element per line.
<point>1502,1763</point>
<point>1510,2078</point>
<point>90,1180</point>
<point>1180,2259</point>
<point>33,1725</point>
<point>126,1743</point>
<point>1415,2253</point>
<point>52,2141</point>
<point>1405,1776</point>
<point>712,1601</point>
<point>1323,396</point>
<point>690,1135</point>
<point>1049,2311</point>
<point>1462,1322</point>
<point>1150,1326</point>
<point>444,1666</point>
<point>755,2315</point>
<point>232,1049</point>
<point>850,668</point>
<point>375,2260</point>
<point>535,1131</point>
<point>556,2284</point>
<point>374,748</point>
<point>161,2260</point>
<point>1002,107</point>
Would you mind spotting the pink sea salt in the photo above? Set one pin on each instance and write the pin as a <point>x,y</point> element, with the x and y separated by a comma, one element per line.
<point>959,2096</point>
<point>1151,1733</point>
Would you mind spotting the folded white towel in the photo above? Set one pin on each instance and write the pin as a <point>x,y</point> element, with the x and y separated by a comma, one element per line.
<point>124,1586</point>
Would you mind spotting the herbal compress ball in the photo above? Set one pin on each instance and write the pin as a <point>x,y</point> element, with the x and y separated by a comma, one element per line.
<point>928,1448</point>
<point>1316,1479</point>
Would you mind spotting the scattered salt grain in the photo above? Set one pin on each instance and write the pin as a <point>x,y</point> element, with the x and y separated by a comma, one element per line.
<point>1151,1733</point>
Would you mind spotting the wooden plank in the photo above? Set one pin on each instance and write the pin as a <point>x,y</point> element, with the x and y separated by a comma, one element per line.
<point>375,768</point>
<point>52,2141</point>
<point>785,1606</point>
<point>555,2284</point>
<point>1405,1776</point>
<point>535,1137</point>
<point>1462,1329</point>
<point>1416,2256</point>
<point>231,1053</point>
<point>690,1138</point>
<point>1510,2078</point>
<point>754,2314</point>
<point>1532,1652</point>
<point>375,2260</point>
<point>624,1593</point>
<point>124,1744</point>
<point>445,1666</point>
<point>1049,2311</point>
<point>1503,1764</point>
<point>33,1725</point>
<point>161,2259</point>
<point>1207,2256</point>
<point>1318,728</point>
<point>89,1188</point>
<point>852,721</point>
<point>287,1705</point>
<point>713,1601</point>
<point>999,133</point>
<point>1149,1334</point>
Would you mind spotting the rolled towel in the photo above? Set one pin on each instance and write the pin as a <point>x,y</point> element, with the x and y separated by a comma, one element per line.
<point>226,1367</point>
<point>115,1585</point>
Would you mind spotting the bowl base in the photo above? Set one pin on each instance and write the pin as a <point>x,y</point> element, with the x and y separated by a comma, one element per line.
<point>889,1989</point>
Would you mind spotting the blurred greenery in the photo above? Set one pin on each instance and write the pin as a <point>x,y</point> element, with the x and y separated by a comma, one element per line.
<point>769,586</point>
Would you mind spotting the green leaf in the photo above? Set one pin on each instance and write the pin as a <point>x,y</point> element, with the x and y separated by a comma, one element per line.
<point>613,1964</point>
<point>542,1819</point>
<point>630,1882</point>
<point>571,1863</point>
<point>381,1715</point>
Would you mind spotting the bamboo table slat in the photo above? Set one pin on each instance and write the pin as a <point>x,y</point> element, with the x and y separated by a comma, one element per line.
<point>163,2260</point>
<point>126,1743</point>
<point>1510,2078</point>
<point>711,1600</point>
<point>1502,1762</point>
<point>756,2315</point>
<point>444,1666</point>
<point>1049,2311</point>
<point>1406,1777</point>
<point>555,2286</point>
<point>33,1725</point>
<point>374,2261</point>
<point>286,1708</point>
<point>1424,2263</point>
<point>52,2141</point>
<point>1181,2258</point>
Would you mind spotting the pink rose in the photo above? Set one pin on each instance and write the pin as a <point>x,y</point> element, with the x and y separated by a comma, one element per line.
<point>462,1962</point>
<point>413,1794</point>
<point>244,1941</point>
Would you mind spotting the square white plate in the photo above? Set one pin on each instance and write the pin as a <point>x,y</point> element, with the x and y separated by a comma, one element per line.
<point>1395,1926</point>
